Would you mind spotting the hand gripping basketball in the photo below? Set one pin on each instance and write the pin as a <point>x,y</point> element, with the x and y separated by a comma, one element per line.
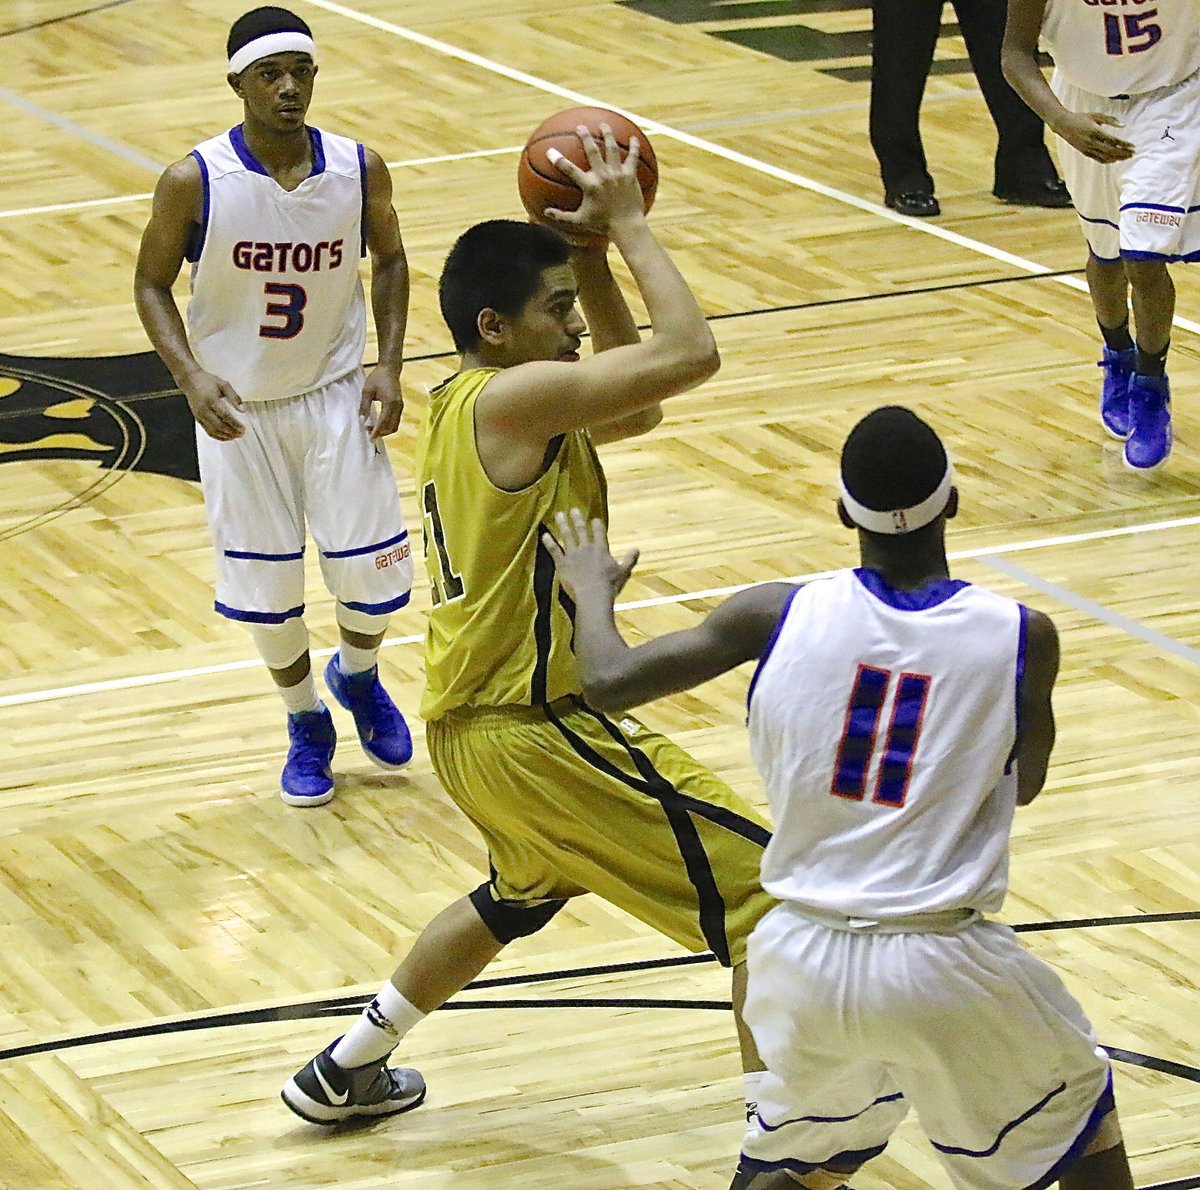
<point>545,181</point>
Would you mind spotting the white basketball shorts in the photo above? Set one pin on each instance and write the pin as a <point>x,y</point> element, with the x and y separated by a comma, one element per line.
<point>1146,208</point>
<point>304,458</point>
<point>976,1035</point>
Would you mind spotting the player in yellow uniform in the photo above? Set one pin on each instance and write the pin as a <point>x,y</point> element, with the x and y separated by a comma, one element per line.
<point>568,800</point>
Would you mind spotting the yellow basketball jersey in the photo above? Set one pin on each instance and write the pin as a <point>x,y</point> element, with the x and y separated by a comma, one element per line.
<point>500,630</point>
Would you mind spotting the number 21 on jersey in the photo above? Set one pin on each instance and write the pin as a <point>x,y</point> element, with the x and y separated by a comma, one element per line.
<point>861,728</point>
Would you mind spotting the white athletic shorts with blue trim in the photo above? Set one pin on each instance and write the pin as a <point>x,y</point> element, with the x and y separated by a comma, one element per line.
<point>305,458</point>
<point>976,1035</point>
<point>1146,208</point>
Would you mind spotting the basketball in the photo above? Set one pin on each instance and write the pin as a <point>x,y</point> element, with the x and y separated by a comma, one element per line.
<point>541,184</point>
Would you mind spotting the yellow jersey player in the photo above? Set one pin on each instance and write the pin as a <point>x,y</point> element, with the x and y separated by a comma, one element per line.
<point>567,800</point>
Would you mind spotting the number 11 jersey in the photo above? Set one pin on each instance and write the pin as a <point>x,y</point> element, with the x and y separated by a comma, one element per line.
<point>277,307</point>
<point>884,723</point>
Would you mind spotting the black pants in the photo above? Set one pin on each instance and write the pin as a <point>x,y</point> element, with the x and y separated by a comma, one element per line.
<point>905,35</point>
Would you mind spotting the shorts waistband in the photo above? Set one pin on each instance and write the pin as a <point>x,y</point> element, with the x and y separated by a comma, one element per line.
<point>1183,82</point>
<point>515,713</point>
<point>949,921</point>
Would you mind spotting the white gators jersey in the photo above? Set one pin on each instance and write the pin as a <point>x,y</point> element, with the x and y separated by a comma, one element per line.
<point>277,307</point>
<point>883,724</point>
<point>1123,47</point>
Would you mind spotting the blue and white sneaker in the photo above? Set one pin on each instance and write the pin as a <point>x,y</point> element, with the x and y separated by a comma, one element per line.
<point>381,728</point>
<point>1114,395</point>
<point>307,776</point>
<point>1150,435</point>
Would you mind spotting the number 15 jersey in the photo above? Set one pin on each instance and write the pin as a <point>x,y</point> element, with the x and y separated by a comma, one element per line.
<point>277,307</point>
<point>883,723</point>
<point>1123,47</point>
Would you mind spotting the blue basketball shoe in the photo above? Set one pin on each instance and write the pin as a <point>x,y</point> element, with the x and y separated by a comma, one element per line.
<point>1150,434</point>
<point>381,728</point>
<point>1114,396</point>
<point>307,777</point>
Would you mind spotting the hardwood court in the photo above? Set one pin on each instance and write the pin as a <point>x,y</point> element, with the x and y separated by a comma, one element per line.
<point>150,877</point>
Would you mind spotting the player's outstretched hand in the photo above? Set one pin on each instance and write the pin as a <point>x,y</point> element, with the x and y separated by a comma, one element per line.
<point>1085,131</point>
<point>583,559</point>
<point>212,403</point>
<point>611,193</point>
<point>382,388</point>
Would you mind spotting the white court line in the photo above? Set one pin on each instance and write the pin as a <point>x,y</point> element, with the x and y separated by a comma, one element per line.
<point>98,139</point>
<point>133,682</point>
<point>656,128</point>
<point>83,204</point>
<point>1097,611</point>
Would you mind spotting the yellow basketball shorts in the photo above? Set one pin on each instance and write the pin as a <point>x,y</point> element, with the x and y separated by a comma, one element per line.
<point>570,801</point>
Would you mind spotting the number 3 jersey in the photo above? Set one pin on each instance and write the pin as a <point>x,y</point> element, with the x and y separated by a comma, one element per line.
<point>277,307</point>
<point>1123,47</point>
<point>883,723</point>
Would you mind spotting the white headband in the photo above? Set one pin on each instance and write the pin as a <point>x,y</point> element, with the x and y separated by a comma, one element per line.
<point>900,520</point>
<point>268,44</point>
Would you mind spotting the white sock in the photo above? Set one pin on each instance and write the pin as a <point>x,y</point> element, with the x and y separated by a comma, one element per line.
<point>353,660</point>
<point>300,697</point>
<point>375,1034</point>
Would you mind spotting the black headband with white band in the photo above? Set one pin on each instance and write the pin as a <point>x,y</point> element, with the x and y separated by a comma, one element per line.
<point>290,41</point>
<point>900,520</point>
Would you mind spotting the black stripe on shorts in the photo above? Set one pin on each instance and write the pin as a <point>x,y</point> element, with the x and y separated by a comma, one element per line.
<point>679,809</point>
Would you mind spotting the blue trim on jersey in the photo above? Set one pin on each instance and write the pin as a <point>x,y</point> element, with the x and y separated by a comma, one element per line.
<point>1022,644</point>
<point>1165,257</point>
<point>196,242</point>
<point>827,1119</point>
<point>251,556</point>
<point>1105,1104</point>
<point>362,182</point>
<point>1106,222</point>
<point>787,605</point>
<point>318,151</point>
<point>1152,206</point>
<point>238,140</point>
<point>378,609</point>
<point>930,595</point>
<point>850,1157</point>
<point>236,613</point>
<point>365,549</point>
<point>954,1151</point>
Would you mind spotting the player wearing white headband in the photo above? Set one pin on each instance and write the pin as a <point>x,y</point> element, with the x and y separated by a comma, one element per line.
<point>898,717</point>
<point>273,216</point>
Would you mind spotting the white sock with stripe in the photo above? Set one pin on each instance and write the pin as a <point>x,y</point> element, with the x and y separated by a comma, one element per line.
<point>374,1035</point>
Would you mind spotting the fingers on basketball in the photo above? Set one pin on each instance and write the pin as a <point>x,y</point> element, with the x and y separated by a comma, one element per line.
<point>542,184</point>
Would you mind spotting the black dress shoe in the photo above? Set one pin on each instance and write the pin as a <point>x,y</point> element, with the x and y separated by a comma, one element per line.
<point>918,203</point>
<point>1052,193</point>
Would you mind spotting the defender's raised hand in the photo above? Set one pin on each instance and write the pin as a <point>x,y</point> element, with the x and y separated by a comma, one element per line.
<point>583,559</point>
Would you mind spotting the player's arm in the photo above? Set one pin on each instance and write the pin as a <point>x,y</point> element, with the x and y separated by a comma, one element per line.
<point>610,324</point>
<point>178,199</point>
<point>389,301</point>
<point>616,676</point>
<point>536,402</point>
<point>1035,714</point>
<point>1018,59</point>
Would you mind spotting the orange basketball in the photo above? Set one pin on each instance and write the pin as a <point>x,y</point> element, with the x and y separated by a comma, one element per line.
<point>541,184</point>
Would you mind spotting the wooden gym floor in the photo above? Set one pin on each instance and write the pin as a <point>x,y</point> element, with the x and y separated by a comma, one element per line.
<point>174,941</point>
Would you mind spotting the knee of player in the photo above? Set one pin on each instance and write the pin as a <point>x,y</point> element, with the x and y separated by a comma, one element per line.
<point>507,921</point>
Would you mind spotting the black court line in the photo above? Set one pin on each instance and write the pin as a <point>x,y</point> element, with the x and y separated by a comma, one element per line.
<point>332,1006</point>
<point>841,301</point>
<point>133,398</point>
<point>70,16</point>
